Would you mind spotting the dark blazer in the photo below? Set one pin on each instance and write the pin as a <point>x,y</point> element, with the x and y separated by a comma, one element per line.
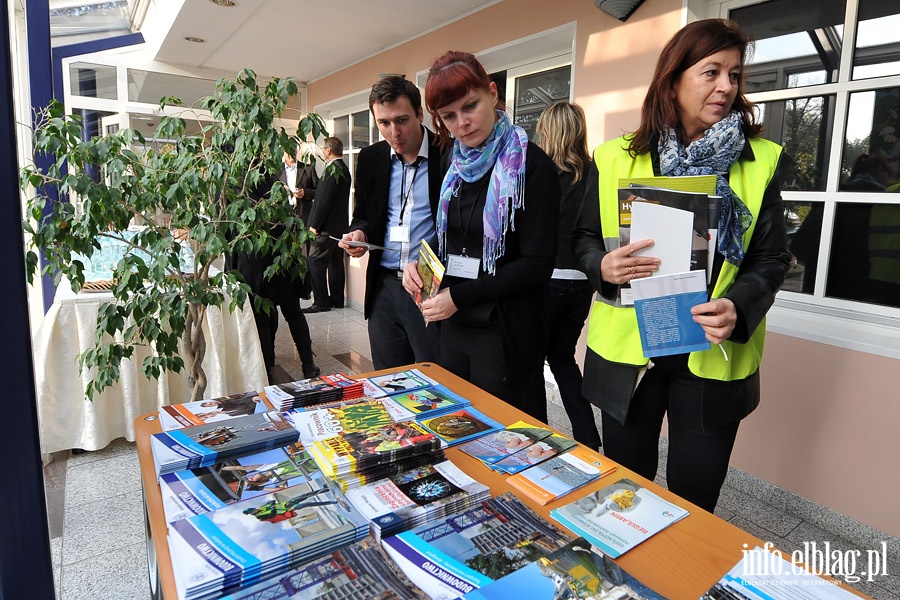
<point>373,179</point>
<point>329,211</point>
<point>308,179</point>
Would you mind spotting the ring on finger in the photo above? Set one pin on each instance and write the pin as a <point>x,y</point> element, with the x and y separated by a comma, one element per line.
<point>632,269</point>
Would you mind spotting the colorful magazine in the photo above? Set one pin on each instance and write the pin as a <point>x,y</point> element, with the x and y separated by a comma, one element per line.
<point>255,539</point>
<point>362,571</point>
<point>618,517</point>
<point>498,445</point>
<point>431,271</point>
<point>395,383</point>
<point>198,491</point>
<point>460,426</point>
<point>534,454</point>
<point>573,572</point>
<point>303,392</point>
<point>177,416</point>
<point>427,402</point>
<point>467,551</point>
<point>560,475</point>
<point>318,424</point>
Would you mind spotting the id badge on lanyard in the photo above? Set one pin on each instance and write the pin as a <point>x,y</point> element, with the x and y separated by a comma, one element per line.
<point>466,267</point>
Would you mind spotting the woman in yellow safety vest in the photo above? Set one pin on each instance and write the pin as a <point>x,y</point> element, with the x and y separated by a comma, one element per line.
<point>695,120</point>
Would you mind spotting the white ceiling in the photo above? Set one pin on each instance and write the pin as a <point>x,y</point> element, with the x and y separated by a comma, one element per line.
<point>304,39</point>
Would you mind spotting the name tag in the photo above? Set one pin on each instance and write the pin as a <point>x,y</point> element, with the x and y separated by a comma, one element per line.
<point>399,233</point>
<point>463,266</point>
<point>626,296</point>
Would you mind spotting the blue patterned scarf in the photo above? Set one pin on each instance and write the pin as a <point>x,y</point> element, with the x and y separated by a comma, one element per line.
<point>503,153</point>
<point>713,154</point>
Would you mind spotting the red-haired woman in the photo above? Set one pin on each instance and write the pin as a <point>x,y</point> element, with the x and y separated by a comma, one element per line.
<point>497,235</point>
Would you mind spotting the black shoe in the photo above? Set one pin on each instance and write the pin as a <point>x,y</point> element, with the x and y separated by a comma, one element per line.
<point>337,306</point>
<point>314,309</point>
<point>310,372</point>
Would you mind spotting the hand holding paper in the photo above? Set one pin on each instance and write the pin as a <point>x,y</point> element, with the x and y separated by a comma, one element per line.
<point>717,317</point>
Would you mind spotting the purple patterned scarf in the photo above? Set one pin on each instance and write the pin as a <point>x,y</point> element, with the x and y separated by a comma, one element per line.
<point>504,149</point>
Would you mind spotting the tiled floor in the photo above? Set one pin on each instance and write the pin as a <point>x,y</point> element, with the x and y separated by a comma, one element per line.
<point>96,514</point>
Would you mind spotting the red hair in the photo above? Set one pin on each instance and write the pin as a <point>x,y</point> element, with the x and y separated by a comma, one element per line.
<point>452,75</point>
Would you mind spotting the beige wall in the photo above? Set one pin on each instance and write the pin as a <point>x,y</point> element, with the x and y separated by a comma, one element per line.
<point>825,429</point>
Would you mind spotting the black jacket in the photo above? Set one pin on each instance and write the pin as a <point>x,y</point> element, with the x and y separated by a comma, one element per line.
<point>308,180</point>
<point>329,210</point>
<point>370,212</point>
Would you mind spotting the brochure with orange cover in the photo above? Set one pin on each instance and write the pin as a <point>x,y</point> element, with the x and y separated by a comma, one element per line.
<point>551,479</point>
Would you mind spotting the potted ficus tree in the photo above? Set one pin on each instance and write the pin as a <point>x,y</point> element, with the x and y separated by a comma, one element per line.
<point>214,191</point>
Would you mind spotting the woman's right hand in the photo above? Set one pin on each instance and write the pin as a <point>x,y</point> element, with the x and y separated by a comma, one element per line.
<point>412,282</point>
<point>621,266</point>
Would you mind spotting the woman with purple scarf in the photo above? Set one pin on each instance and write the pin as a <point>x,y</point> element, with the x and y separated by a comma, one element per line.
<point>497,235</point>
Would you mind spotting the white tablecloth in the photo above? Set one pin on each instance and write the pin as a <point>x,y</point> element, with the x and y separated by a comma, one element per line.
<point>233,364</point>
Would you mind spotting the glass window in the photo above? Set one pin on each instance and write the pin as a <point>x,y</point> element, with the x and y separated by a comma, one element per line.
<point>797,43</point>
<point>342,129</point>
<point>360,133</point>
<point>150,87</point>
<point>803,221</point>
<point>83,22</point>
<point>872,140</point>
<point>93,81</point>
<point>536,92</point>
<point>877,52</point>
<point>803,127</point>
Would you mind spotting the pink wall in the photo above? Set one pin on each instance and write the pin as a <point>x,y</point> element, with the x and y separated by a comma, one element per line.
<point>827,429</point>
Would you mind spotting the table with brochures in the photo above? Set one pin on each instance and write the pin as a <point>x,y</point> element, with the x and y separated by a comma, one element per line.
<point>682,561</point>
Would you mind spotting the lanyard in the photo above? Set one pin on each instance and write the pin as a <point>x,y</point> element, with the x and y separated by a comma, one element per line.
<point>466,225</point>
<point>404,195</point>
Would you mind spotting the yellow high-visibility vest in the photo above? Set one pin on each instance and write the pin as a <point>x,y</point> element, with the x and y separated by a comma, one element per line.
<point>613,330</point>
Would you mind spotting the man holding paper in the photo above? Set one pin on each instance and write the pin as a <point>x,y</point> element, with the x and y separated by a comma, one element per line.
<point>695,121</point>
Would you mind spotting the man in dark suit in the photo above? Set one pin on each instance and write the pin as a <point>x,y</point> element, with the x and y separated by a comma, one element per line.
<point>329,218</point>
<point>301,181</point>
<point>398,182</point>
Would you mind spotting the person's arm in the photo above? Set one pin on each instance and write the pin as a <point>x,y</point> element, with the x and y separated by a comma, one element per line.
<point>536,232</point>
<point>324,199</point>
<point>587,236</point>
<point>359,225</point>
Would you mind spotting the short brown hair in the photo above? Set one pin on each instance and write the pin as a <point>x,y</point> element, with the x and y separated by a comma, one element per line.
<point>388,89</point>
<point>691,44</point>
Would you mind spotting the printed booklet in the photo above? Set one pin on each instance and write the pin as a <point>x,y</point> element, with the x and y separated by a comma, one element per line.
<point>498,445</point>
<point>574,571</point>
<point>362,571</point>
<point>545,449</point>
<point>201,412</point>
<point>198,491</point>
<point>428,402</point>
<point>304,392</point>
<point>205,445</point>
<point>618,517</point>
<point>322,423</point>
<point>395,383</point>
<point>562,474</point>
<point>663,306</point>
<point>259,538</point>
<point>463,552</point>
<point>459,426</point>
<point>416,496</point>
<point>431,271</point>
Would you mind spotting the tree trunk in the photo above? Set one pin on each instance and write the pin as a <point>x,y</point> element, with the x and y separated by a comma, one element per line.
<point>195,350</point>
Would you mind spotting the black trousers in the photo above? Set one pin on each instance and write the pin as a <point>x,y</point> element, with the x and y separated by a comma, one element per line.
<point>397,332</point>
<point>698,459</point>
<point>267,325</point>
<point>477,355</point>
<point>568,307</point>
<point>326,273</point>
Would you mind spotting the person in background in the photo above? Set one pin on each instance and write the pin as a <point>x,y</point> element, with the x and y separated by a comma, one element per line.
<point>301,181</point>
<point>695,120</point>
<point>562,134</point>
<point>329,218</point>
<point>397,185</point>
<point>497,234</point>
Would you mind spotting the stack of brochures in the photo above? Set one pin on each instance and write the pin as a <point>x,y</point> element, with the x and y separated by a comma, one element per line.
<point>200,412</point>
<point>197,491</point>
<point>618,517</point>
<point>352,388</point>
<point>459,425</point>
<point>561,475</point>
<point>573,571</point>
<point>498,445</point>
<point>466,551</point>
<point>426,402</point>
<point>343,417</point>
<point>350,481</point>
<point>416,496</point>
<point>204,445</point>
<point>256,539</point>
<point>304,392</point>
<point>395,383</point>
<point>541,450</point>
<point>361,570</point>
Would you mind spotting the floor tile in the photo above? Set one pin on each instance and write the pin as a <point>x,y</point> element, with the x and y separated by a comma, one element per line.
<point>118,575</point>
<point>108,478</point>
<point>115,447</point>
<point>102,527</point>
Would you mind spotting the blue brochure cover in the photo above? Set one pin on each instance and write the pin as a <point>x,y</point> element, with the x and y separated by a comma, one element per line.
<point>663,305</point>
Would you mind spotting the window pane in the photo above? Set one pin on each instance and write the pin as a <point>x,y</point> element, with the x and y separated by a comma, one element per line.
<point>877,51</point>
<point>360,129</point>
<point>342,129</point>
<point>865,253</point>
<point>797,43</point>
<point>872,143</point>
<point>803,221</point>
<point>536,92</point>
<point>150,87</point>
<point>93,81</point>
<point>803,127</point>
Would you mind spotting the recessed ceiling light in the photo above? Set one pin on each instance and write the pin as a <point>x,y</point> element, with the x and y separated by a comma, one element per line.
<point>195,40</point>
<point>224,2</point>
